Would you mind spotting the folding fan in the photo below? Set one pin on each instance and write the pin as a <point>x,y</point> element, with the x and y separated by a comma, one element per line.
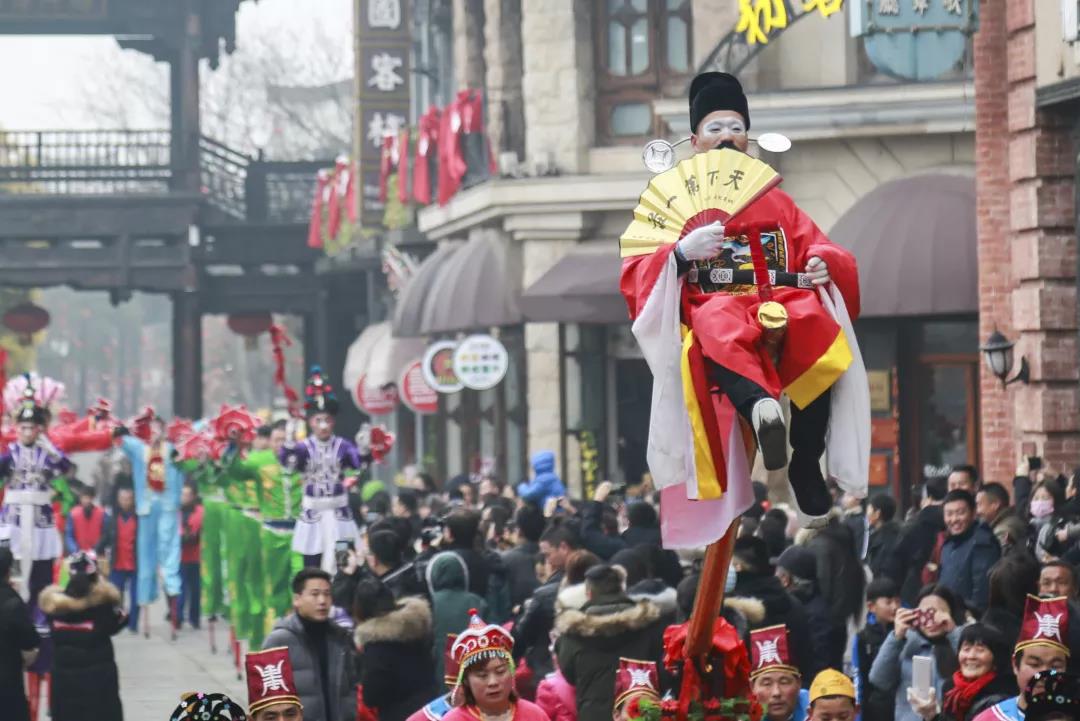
<point>702,189</point>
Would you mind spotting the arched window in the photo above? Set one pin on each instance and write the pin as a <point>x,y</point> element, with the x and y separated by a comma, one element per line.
<point>643,50</point>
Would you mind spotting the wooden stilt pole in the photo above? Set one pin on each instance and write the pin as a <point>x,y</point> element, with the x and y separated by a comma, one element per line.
<point>710,595</point>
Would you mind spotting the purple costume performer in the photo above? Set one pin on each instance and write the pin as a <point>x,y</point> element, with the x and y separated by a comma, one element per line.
<point>27,469</point>
<point>321,461</point>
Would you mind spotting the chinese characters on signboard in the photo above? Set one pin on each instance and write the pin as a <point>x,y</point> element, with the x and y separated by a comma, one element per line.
<point>383,70</point>
<point>761,20</point>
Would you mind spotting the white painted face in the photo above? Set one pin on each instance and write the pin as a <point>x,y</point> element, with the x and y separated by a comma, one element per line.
<point>322,426</point>
<point>720,127</point>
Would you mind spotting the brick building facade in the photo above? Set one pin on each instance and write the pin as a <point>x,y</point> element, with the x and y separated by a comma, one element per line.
<point>1025,179</point>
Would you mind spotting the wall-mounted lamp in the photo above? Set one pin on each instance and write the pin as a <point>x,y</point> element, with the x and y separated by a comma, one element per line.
<point>999,357</point>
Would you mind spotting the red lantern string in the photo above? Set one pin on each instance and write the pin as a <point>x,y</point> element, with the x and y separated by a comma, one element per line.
<point>279,339</point>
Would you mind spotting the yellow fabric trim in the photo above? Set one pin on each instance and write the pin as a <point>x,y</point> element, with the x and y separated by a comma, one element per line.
<point>819,377</point>
<point>708,484</point>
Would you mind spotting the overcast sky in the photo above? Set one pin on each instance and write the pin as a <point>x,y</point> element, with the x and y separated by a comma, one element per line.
<point>41,76</point>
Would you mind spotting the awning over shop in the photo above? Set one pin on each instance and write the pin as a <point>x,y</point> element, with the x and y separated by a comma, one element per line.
<point>915,242</point>
<point>409,313</point>
<point>475,288</point>
<point>582,287</point>
<point>378,357</point>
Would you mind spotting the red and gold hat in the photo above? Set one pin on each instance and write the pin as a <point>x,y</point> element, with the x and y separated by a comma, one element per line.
<point>769,651</point>
<point>270,679</point>
<point>479,642</point>
<point>1045,623</point>
<point>450,666</point>
<point>636,678</point>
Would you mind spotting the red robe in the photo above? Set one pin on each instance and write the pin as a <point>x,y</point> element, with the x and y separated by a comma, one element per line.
<point>725,323</point>
<point>721,327</point>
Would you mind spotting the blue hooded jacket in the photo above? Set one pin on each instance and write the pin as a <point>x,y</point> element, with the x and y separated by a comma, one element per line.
<point>545,483</point>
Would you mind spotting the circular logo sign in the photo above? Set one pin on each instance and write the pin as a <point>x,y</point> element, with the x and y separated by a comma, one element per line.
<point>438,367</point>
<point>481,361</point>
<point>416,392</point>
<point>375,401</point>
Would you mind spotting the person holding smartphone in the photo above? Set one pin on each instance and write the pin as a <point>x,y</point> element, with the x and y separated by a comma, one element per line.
<point>932,629</point>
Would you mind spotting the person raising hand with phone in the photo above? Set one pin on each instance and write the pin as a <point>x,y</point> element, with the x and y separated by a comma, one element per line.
<point>932,629</point>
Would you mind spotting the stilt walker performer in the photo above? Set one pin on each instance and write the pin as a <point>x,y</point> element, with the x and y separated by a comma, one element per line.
<point>157,482</point>
<point>322,460</point>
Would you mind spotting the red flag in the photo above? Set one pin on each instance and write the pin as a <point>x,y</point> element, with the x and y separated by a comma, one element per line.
<point>333,222</point>
<point>314,239</point>
<point>427,139</point>
<point>350,193</point>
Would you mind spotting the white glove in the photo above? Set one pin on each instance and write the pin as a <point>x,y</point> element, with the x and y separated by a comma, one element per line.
<point>818,270</point>
<point>927,708</point>
<point>703,243</point>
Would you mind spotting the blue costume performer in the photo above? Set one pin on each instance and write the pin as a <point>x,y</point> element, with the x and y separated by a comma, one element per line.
<point>321,460</point>
<point>157,484</point>
<point>28,467</point>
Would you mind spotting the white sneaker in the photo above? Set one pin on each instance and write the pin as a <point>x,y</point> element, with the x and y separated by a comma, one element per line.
<point>768,421</point>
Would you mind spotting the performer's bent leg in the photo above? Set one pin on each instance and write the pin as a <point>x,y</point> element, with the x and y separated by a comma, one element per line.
<point>312,560</point>
<point>808,428</point>
<point>761,411</point>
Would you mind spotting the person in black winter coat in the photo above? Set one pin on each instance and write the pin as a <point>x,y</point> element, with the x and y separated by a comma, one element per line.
<point>884,533</point>
<point>841,578</point>
<point>916,543</point>
<point>83,618</point>
<point>755,579</point>
<point>19,643</point>
<point>397,673</point>
<point>796,570</point>
<point>520,561</point>
<point>644,530</point>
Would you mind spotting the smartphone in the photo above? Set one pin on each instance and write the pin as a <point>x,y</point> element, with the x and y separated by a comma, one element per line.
<point>921,675</point>
<point>1034,463</point>
<point>342,547</point>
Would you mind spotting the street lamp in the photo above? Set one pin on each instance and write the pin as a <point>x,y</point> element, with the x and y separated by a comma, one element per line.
<point>999,357</point>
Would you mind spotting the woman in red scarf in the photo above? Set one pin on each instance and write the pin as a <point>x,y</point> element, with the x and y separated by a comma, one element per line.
<point>982,679</point>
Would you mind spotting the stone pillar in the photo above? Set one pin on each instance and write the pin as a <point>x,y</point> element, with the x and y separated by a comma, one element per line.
<point>992,211</point>
<point>469,44</point>
<point>184,104</point>
<point>558,84</point>
<point>187,355</point>
<point>1042,213</point>
<point>502,56</point>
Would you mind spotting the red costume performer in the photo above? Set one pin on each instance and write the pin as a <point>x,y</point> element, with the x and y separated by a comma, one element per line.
<point>729,363</point>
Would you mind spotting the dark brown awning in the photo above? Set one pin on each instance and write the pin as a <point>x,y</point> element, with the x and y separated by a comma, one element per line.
<point>409,312</point>
<point>916,245</point>
<point>582,287</point>
<point>477,287</point>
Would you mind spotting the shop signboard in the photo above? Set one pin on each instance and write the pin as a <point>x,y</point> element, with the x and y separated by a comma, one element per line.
<point>481,362</point>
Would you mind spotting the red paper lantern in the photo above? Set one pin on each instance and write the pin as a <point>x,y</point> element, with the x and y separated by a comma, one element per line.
<point>26,319</point>
<point>250,325</point>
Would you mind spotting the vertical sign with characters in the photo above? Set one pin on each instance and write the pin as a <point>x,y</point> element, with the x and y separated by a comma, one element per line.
<point>383,69</point>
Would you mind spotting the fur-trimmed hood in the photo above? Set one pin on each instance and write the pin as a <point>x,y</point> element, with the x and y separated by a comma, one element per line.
<point>752,609</point>
<point>53,601</point>
<point>410,621</point>
<point>666,599</point>
<point>610,618</point>
<point>571,597</point>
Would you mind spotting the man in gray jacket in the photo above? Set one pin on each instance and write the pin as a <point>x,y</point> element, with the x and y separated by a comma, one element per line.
<point>322,653</point>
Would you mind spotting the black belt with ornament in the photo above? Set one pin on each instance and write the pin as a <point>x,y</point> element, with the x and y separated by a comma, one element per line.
<point>712,280</point>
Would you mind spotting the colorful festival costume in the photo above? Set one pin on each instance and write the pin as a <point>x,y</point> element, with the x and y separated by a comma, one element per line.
<point>325,517</point>
<point>157,481</point>
<point>699,328</point>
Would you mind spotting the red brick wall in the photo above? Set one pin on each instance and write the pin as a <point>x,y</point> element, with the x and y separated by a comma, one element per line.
<point>992,211</point>
<point>1027,246</point>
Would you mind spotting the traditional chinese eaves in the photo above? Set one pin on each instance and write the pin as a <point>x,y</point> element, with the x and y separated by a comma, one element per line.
<point>151,26</point>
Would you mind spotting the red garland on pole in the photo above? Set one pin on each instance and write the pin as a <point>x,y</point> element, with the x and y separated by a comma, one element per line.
<point>279,340</point>
<point>315,225</point>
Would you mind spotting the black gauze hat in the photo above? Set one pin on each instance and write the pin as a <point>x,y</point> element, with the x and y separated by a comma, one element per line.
<point>716,91</point>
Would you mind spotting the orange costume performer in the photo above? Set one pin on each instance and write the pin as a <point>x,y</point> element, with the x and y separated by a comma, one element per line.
<point>729,364</point>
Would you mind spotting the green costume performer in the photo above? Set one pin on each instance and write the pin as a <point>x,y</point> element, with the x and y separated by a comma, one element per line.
<point>280,494</point>
<point>207,477</point>
<point>244,564</point>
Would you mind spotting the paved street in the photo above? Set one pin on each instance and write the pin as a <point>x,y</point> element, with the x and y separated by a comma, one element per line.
<point>155,671</point>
